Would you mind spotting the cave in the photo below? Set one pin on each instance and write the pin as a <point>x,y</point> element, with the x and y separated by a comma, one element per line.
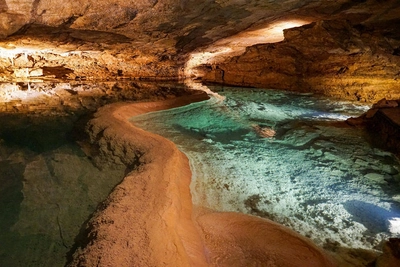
<point>200,133</point>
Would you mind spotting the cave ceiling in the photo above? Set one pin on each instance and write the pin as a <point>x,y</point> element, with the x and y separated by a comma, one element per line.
<point>147,37</point>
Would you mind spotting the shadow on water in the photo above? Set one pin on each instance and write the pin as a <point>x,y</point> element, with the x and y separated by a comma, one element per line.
<point>11,175</point>
<point>22,138</point>
<point>374,218</point>
<point>222,136</point>
<point>49,187</point>
<point>36,133</point>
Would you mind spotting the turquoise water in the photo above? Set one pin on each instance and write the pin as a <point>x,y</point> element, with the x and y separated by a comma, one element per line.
<point>316,175</point>
<point>49,188</point>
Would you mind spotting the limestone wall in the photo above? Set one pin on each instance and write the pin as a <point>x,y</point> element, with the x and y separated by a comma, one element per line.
<point>334,58</point>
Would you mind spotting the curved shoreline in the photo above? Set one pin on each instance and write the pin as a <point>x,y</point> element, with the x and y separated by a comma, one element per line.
<point>149,219</point>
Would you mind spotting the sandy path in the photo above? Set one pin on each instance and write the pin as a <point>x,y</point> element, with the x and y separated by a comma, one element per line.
<point>148,219</point>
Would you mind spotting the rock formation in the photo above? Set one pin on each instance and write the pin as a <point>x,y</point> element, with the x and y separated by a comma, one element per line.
<point>391,253</point>
<point>48,186</point>
<point>350,50</point>
<point>148,219</point>
<point>332,57</point>
<point>144,221</point>
<point>77,97</point>
<point>383,123</point>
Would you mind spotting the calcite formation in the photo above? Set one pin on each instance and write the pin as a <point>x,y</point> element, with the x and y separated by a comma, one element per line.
<point>350,51</point>
<point>332,57</point>
<point>149,219</point>
<point>77,97</point>
<point>347,49</point>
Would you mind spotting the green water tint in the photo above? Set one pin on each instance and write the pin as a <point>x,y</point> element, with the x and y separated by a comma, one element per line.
<point>315,175</point>
<point>48,189</point>
<point>48,186</point>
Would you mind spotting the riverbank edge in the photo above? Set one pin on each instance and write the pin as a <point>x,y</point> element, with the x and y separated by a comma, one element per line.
<point>149,219</point>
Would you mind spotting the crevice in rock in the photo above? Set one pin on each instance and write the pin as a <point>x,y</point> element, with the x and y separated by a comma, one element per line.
<point>59,72</point>
<point>396,51</point>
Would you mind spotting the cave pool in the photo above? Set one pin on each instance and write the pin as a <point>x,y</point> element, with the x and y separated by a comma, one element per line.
<point>317,176</point>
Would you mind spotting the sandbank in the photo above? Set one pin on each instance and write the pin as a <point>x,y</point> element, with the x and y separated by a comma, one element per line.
<point>149,218</point>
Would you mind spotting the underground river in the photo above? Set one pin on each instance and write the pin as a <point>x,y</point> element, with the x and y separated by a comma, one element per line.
<point>49,187</point>
<point>315,175</point>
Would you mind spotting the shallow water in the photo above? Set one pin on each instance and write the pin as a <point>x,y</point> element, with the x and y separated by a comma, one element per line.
<point>316,176</point>
<point>48,189</point>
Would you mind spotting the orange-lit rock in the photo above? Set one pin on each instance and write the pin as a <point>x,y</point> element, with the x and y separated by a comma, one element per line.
<point>148,219</point>
<point>351,50</point>
<point>330,57</point>
<point>157,39</point>
<point>76,97</point>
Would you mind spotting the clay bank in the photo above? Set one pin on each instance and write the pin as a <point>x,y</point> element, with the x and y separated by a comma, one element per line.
<point>66,58</point>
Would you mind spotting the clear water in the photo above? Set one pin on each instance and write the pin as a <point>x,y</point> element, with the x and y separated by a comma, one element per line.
<point>316,176</point>
<point>48,189</point>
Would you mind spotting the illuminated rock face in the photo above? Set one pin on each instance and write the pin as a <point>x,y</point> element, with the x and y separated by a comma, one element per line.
<point>76,97</point>
<point>330,57</point>
<point>154,39</point>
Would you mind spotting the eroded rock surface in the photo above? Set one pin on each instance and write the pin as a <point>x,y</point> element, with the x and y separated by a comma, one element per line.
<point>48,186</point>
<point>383,123</point>
<point>334,58</point>
<point>148,220</point>
<point>77,97</point>
<point>391,253</point>
<point>351,51</point>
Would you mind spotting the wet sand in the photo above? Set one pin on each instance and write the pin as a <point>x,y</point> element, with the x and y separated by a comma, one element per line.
<point>149,219</point>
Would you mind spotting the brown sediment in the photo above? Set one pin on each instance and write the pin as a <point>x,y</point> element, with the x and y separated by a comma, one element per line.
<point>149,219</point>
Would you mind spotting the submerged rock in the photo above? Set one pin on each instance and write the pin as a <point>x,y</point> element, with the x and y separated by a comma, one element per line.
<point>264,131</point>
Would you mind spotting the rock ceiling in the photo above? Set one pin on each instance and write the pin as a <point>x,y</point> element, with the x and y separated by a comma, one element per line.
<point>99,39</point>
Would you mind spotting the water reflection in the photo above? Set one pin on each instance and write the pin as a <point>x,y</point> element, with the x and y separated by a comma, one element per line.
<point>48,186</point>
<point>49,98</point>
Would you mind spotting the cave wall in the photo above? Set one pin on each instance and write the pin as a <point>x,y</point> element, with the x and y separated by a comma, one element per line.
<point>351,51</point>
<point>334,58</point>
